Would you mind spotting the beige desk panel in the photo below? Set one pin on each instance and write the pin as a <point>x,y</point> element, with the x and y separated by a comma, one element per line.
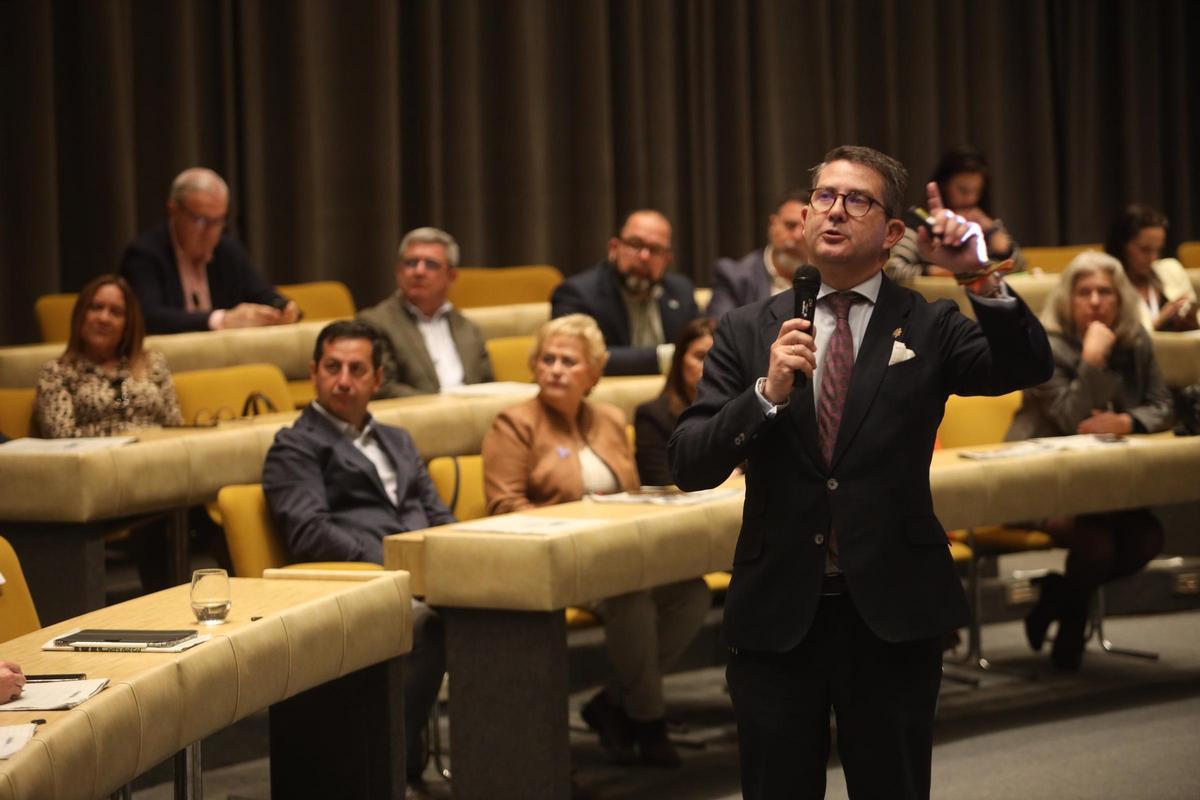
<point>288,346</point>
<point>635,547</point>
<point>176,468</point>
<point>310,632</point>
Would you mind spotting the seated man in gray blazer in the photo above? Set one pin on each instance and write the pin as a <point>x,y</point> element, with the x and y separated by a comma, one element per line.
<point>762,273</point>
<point>337,482</point>
<point>433,346</point>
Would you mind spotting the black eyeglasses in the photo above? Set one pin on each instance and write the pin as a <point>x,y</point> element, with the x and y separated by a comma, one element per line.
<point>201,221</point>
<point>637,245</point>
<point>857,204</point>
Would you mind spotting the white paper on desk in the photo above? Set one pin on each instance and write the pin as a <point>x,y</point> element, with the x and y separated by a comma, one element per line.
<point>1083,441</point>
<point>87,444</point>
<point>54,695</point>
<point>14,737</point>
<point>667,499</point>
<point>493,389</point>
<point>526,523</point>
<point>1025,448</point>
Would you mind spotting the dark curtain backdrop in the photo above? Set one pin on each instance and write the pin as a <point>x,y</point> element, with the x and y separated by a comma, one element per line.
<point>525,127</point>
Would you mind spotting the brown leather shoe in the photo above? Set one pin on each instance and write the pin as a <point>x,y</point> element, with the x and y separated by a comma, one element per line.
<point>614,726</point>
<point>654,748</point>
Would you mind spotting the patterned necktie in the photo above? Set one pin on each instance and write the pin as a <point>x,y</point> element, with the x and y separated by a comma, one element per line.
<point>835,374</point>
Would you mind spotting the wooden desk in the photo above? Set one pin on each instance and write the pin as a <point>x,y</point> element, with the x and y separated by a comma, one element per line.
<point>503,595</point>
<point>296,646</point>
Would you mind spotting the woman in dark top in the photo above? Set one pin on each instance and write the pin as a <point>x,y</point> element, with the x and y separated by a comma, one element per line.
<point>1105,381</point>
<point>654,421</point>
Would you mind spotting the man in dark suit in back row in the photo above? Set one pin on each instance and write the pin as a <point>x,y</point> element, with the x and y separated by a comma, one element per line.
<point>639,306</point>
<point>768,271</point>
<point>337,482</point>
<point>190,275</point>
<point>843,585</point>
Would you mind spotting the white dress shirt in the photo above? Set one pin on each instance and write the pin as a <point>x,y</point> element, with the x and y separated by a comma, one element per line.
<point>439,343</point>
<point>366,442</point>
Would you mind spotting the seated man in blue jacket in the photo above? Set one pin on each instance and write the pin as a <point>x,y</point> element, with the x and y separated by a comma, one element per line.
<point>639,307</point>
<point>190,275</point>
<point>337,482</point>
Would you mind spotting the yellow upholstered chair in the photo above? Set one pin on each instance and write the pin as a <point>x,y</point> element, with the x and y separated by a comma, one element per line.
<point>1055,259</point>
<point>459,481</point>
<point>321,299</point>
<point>1189,254</point>
<point>502,286</point>
<point>18,615</point>
<point>209,393</point>
<point>16,412</point>
<point>53,313</point>
<point>250,535</point>
<point>969,422</point>
<point>510,358</point>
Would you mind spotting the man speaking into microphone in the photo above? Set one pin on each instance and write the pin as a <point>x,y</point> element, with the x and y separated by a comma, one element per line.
<point>843,584</point>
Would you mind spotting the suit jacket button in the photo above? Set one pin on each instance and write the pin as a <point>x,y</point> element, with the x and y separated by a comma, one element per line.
<point>737,440</point>
<point>831,484</point>
<point>819,539</point>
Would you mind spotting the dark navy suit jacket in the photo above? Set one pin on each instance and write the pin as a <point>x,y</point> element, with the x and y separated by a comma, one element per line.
<point>737,283</point>
<point>150,267</point>
<point>876,492</point>
<point>327,499</point>
<point>597,293</point>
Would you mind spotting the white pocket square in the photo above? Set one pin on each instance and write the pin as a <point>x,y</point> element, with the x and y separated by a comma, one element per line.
<point>900,353</point>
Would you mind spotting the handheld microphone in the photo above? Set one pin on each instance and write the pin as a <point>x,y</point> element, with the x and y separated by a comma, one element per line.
<point>805,284</point>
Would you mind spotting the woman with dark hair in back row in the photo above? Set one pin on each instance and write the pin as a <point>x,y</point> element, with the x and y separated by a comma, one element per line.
<point>1168,301</point>
<point>964,179</point>
<point>654,421</point>
<point>104,383</point>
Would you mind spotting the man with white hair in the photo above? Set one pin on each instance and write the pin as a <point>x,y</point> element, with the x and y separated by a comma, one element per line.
<point>189,275</point>
<point>433,346</point>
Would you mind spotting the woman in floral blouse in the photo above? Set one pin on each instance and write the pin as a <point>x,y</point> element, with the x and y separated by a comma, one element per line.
<point>104,383</point>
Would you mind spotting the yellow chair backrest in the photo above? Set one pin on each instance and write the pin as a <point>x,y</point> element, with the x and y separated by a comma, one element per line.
<point>54,316</point>
<point>18,615</point>
<point>16,412</point>
<point>321,299</point>
<point>459,481</point>
<point>1055,259</point>
<point>972,421</point>
<point>502,286</point>
<point>510,358</point>
<point>1189,255</point>
<point>249,532</point>
<point>209,393</point>
<point>251,538</point>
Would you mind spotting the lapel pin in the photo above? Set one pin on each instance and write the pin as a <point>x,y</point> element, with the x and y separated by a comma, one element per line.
<point>896,333</point>
<point>673,304</point>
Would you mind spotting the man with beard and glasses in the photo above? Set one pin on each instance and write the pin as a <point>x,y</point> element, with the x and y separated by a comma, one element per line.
<point>768,271</point>
<point>638,306</point>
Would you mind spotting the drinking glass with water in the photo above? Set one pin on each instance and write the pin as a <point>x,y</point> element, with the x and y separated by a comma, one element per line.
<point>210,596</point>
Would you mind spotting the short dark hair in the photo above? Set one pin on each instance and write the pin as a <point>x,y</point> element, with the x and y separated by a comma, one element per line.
<point>350,329</point>
<point>1132,219</point>
<point>958,160</point>
<point>895,176</point>
<point>793,195</point>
